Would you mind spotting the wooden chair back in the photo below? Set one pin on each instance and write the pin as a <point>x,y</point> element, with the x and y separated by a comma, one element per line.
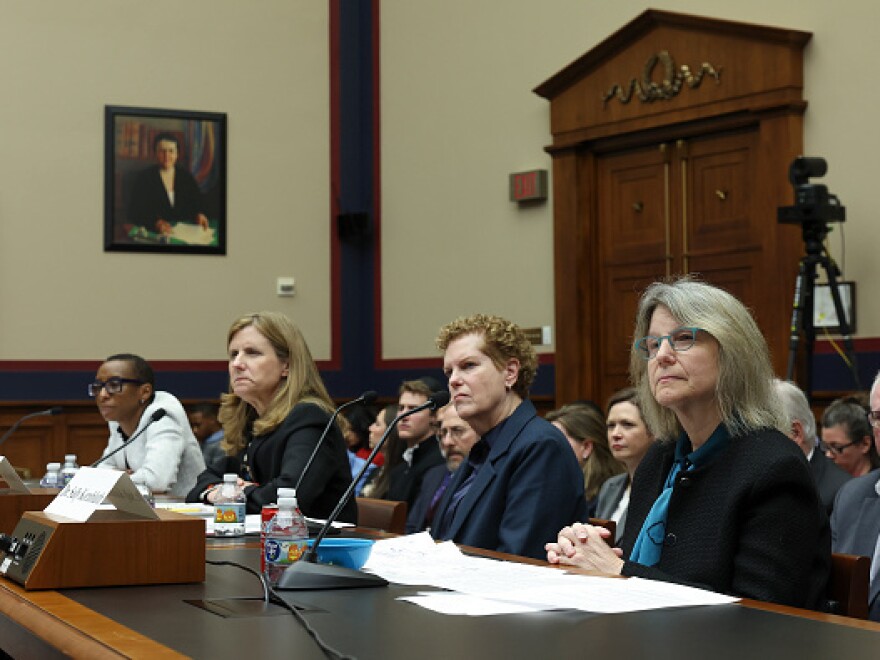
<point>384,515</point>
<point>847,591</point>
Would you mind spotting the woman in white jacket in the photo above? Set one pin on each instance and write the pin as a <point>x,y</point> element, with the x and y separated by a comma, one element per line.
<point>165,456</point>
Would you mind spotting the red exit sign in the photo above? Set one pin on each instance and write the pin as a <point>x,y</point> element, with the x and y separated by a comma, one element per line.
<point>528,186</point>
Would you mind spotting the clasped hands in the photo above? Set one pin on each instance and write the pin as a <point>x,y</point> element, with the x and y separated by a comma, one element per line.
<point>585,546</point>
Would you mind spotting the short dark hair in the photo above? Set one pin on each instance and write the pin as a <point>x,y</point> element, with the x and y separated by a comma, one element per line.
<point>142,369</point>
<point>168,137</point>
<point>206,409</point>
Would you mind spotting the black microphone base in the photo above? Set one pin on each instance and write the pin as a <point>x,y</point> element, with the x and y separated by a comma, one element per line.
<point>304,575</point>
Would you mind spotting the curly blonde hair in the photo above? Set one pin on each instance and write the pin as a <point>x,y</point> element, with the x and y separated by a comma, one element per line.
<point>502,340</point>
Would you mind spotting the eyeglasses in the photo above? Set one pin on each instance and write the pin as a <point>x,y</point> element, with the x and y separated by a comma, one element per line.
<point>112,385</point>
<point>874,418</point>
<point>680,339</point>
<point>837,449</point>
<point>457,432</point>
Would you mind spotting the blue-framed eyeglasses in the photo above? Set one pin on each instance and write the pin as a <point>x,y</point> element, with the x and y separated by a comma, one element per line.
<point>680,339</point>
<point>112,385</point>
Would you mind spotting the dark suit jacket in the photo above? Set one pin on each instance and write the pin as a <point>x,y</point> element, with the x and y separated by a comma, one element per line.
<point>748,524</point>
<point>829,477</point>
<point>855,525</point>
<point>528,489</point>
<point>416,518</point>
<point>277,459</point>
<point>609,497</point>
<point>149,201</point>
<point>405,480</point>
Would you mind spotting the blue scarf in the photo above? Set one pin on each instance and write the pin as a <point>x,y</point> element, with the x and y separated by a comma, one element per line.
<point>649,543</point>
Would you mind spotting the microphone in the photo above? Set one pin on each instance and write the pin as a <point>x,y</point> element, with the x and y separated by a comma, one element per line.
<point>366,398</point>
<point>155,417</point>
<point>307,573</point>
<point>57,410</point>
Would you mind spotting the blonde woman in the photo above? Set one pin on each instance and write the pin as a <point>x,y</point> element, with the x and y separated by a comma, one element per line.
<point>273,417</point>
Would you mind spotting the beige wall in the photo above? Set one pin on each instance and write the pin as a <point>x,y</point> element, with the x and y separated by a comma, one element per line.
<point>458,115</point>
<point>263,63</point>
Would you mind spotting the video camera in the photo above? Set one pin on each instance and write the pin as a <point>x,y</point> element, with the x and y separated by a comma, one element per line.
<point>813,204</point>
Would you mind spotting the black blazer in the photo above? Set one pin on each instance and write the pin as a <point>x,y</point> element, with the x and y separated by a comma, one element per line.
<point>416,517</point>
<point>749,524</point>
<point>829,477</point>
<point>405,480</point>
<point>277,459</point>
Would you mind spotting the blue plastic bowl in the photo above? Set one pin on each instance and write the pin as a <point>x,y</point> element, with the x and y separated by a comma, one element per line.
<point>351,553</point>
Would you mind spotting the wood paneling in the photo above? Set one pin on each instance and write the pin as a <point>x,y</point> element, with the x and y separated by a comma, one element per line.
<point>685,184</point>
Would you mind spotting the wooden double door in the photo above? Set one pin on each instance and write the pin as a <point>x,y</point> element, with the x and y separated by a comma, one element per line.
<point>669,208</point>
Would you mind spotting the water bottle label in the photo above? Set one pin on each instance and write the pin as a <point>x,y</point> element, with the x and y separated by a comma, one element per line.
<point>229,519</point>
<point>283,551</point>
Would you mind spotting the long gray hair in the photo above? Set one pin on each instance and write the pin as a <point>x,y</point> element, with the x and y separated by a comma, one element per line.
<point>745,394</point>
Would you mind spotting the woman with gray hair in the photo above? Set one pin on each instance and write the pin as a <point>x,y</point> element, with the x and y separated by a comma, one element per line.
<point>724,500</point>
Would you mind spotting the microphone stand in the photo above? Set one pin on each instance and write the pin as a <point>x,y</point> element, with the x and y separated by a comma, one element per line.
<point>52,411</point>
<point>155,417</point>
<point>307,573</point>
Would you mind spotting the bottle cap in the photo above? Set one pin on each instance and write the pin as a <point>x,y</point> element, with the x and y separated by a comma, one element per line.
<point>230,477</point>
<point>287,502</point>
<point>53,466</point>
<point>286,492</point>
<point>69,457</point>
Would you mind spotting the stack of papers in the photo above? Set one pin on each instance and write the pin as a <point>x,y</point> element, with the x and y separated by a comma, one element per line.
<point>489,586</point>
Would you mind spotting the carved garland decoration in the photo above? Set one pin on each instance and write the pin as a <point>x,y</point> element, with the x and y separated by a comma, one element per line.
<point>647,90</point>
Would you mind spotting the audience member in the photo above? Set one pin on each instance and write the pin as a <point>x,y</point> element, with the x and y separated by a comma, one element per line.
<point>165,456</point>
<point>584,428</point>
<point>521,479</point>
<point>630,439</point>
<point>456,439</point>
<point>418,432</point>
<point>392,453</point>
<point>273,417</point>
<point>206,427</point>
<point>855,521</point>
<point>802,429</point>
<point>724,501</point>
<point>355,462</point>
<point>846,437</point>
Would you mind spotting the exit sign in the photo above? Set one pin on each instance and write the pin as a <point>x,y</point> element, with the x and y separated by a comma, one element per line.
<point>528,186</point>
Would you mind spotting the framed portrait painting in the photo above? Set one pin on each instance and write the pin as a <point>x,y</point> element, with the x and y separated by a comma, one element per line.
<point>164,181</point>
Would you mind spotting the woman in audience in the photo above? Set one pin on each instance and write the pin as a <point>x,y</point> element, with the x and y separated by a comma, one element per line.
<point>725,500</point>
<point>273,417</point>
<point>521,481</point>
<point>165,456</point>
<point>847,439</point>
<point>629,439</point>
<point>391,453</point>
<point>584,428</point>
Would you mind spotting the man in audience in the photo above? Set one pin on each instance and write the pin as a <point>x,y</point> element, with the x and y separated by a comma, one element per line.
<point>802,429</point>
<point>206,427</point>
<point>456,439</point>
<point>855,521</point>
<point>418,432</point>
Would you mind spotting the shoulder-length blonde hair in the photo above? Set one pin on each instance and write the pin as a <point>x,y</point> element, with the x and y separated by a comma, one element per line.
<point>746,397</point>
<point>302,384</point>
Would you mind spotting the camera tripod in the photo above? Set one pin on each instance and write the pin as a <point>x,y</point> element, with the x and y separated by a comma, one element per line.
<point>804,302</point>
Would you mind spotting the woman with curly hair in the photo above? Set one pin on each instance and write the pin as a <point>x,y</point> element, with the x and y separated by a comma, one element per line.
<point>521,478</point>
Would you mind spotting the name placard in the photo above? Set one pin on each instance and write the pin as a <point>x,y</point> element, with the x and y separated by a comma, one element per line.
<point>10,476</point>
<point>90,487</point>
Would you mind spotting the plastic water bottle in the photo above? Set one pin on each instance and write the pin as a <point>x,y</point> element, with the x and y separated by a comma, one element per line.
<point>52,478</point>
<point>267,515</point>
<point>69,470</point>
<point>286,539</point>
<point>229,508</point>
